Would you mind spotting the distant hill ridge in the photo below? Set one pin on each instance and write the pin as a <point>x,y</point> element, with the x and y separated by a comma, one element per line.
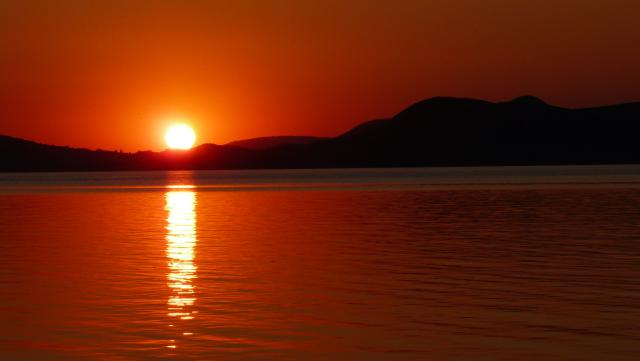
<point>433,132</point>
<point>273,141</point>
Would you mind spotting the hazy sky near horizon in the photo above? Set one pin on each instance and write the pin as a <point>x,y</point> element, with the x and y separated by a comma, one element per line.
<point>113,74</point>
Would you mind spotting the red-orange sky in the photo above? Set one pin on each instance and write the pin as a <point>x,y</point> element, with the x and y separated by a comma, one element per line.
<point>111,74</point>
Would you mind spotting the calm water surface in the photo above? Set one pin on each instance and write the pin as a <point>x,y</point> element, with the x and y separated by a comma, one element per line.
<point>527,263</point>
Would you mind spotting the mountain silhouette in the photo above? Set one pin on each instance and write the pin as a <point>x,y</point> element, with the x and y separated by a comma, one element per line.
<point>271,142</point>
<point>433,132</point>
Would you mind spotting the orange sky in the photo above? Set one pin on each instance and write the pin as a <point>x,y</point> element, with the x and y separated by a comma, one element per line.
<point>112,74</point>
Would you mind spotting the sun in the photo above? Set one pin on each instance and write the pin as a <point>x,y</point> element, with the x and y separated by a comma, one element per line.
<point>180,136</point>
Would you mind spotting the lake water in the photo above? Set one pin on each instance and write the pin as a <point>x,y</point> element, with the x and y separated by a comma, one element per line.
<point>523,263</point>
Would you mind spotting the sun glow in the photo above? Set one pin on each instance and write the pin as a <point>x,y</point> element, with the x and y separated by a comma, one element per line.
<point>180,136</point>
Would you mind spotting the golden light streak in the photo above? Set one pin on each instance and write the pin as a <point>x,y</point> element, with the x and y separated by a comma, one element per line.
<point>181,243</point>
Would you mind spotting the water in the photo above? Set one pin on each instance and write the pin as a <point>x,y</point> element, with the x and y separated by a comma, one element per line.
<point>527,263</point>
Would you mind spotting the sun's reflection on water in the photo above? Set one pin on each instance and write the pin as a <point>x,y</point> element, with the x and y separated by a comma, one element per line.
<point>181,242</point>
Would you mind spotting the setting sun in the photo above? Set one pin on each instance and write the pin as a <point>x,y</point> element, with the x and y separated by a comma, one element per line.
<point>180,136</point>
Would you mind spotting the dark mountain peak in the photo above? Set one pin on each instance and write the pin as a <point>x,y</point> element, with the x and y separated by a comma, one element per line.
<point>528,100</point>
<point>203,147</point>
<point>272,141</point>
<point>442,104</point>
<point>448,102</point>
<point>365,127</point>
